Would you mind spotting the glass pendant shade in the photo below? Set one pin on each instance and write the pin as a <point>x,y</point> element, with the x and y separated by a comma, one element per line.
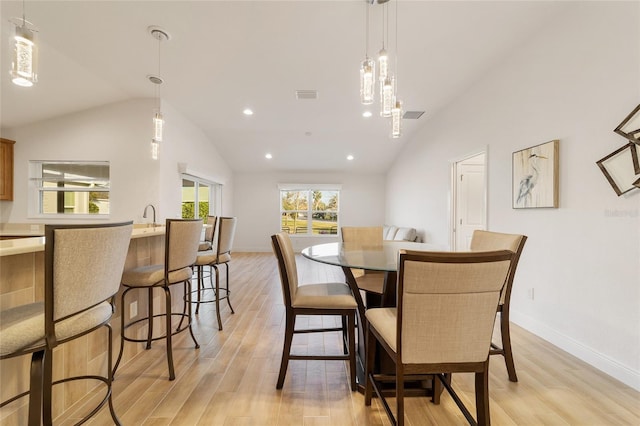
<point>158,125</point>
<point>396,120</point>
<point>386,100</point>
<point>155,149</point>
<point>23,66</point>
<point>383,64</point>
<point>367,78</point>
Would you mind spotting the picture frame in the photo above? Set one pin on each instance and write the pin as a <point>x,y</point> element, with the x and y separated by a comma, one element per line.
<point>630,126</point>
<point>535,176</point>
<point>621,168</point>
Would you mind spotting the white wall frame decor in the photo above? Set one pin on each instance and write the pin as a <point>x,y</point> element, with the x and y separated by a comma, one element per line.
<point>621,168</point>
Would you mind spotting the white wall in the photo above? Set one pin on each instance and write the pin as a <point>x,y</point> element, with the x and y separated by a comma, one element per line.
<point>257,205</point>
<point>121,134</point>
<point>575,82</point>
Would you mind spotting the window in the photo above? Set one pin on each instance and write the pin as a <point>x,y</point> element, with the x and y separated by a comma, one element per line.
<point>313,210</point>
<point>198,192</point>
<point>69,188</point>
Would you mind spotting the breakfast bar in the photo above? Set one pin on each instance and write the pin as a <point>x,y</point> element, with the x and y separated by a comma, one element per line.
<point>22,282</point>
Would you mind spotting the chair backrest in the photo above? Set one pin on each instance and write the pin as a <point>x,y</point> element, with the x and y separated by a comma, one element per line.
<point>283,249</point>
<point>83,267</point>
<point>182,238</point>
<point>226,232</point>
<point>447,304</point>
<point>362,235</point>
<point>488,240</point>
<point>210,229</point>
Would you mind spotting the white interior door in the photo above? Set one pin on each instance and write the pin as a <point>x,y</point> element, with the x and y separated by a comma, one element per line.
<point>470,199</point>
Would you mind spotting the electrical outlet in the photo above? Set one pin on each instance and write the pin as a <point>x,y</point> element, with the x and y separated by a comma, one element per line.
<point>530,293</point>
<point>133,309</point>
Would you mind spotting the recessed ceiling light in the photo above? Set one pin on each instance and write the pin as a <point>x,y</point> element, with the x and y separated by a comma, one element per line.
<point>350,157</point>
<point>268,156</point>
<point>367,114</point>
<point>247,111</point>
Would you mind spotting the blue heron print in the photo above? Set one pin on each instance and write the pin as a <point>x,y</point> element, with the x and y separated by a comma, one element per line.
<point>535,176</point>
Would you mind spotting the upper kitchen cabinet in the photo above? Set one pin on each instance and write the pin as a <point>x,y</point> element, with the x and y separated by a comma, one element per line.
<point>6,170</point>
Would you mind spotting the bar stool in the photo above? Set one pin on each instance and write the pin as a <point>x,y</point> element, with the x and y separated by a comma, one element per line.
<point>209,231</point>
<point>83,266</point>
<point>220,256</point>
<point>181,247</point>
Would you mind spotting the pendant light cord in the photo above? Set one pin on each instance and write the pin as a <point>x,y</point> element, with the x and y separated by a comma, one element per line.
<point>397,73</point>
<point>366,32</point>
<point>159,75</point>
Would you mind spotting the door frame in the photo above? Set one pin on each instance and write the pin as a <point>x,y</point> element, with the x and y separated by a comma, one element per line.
<point>453,193</point>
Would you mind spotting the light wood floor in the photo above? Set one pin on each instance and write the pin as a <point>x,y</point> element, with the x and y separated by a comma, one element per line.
<point>231,379</point>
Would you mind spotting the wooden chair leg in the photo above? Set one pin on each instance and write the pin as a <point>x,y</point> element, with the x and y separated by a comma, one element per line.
<point>172,373</point>
<point>371,358</point>
<point>286,349</point>
<point>506,346</point>
<point>399,395</point>
<point>482,396</point>
<point>47,388</point>
<point>345,349</point>
<point>351,324</point>
<point>36,388</point>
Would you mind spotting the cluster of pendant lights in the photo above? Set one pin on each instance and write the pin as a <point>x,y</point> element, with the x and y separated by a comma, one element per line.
<point>24,61</point>
<point>390,105</point>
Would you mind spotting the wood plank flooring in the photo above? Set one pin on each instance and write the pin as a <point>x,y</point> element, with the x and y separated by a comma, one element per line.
<point>231,379</point>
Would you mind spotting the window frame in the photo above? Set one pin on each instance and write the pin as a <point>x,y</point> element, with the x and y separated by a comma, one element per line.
<point>36,191</point>
<point>309,189</point>
<point>215,194</point>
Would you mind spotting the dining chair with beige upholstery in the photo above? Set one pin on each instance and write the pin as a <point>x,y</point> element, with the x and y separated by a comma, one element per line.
<point>83,266</point>
<point>485,241</point>
<point>182,239</point>
<point>371,282</point>
<point>220,255</point>
<point>313,299</point>
<point>442,324</point>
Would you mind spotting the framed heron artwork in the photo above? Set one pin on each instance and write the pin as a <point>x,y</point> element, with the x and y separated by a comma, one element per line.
<point>535,176</point>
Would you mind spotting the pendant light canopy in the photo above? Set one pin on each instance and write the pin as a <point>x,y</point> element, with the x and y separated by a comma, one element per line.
<point>25,53</point>
<point>158,120</point>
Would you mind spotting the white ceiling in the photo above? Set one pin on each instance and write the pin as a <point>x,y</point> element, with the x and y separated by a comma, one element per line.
<point>227,55</point>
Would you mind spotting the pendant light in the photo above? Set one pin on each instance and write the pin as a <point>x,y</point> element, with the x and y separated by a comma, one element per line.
<point>383,57</point>
<point>158,120</point>
<point>367,68</point>
<point>24,61</point>
<point>396,111</point>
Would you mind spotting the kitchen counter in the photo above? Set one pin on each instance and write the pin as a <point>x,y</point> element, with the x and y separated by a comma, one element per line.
<point>35,244</point>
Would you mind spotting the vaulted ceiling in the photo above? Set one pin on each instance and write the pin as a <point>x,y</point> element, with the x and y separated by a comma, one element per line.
<point>224,56</point>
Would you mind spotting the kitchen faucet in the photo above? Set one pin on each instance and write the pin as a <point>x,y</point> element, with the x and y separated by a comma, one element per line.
<point>144,215</point>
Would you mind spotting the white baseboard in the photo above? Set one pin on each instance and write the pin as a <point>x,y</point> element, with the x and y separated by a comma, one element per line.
<point>597,360</point>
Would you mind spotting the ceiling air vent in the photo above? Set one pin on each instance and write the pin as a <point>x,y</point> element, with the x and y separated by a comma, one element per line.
<point>412,115</point>
<point>306,94</point>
